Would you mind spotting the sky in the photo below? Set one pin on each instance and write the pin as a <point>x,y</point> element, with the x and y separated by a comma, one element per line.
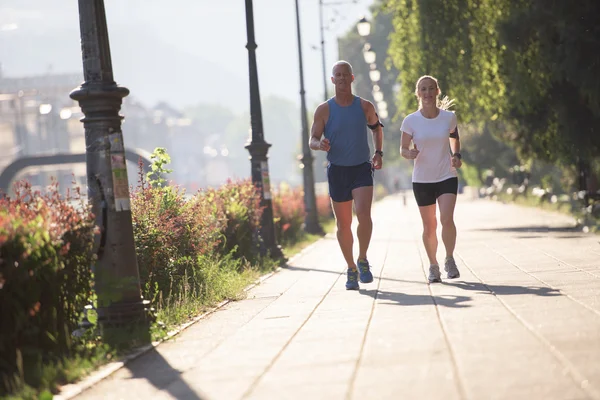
<point>208,35</point>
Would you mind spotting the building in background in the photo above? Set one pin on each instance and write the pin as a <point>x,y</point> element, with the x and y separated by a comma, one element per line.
<point>37,117</point>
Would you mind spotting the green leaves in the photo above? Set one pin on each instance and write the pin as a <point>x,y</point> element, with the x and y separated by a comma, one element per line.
<point>529,67</point>
<point>159,158</point>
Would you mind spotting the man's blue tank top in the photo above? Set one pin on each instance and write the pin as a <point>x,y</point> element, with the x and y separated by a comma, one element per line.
<point>346,130</point>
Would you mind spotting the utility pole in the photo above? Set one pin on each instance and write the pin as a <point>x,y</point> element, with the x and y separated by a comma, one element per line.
<point>117,281</point>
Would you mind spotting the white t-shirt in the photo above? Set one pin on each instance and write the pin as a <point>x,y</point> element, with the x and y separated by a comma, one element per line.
<point>430,135</point>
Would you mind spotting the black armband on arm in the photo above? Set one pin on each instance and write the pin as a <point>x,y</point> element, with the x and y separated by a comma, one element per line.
<point>376,124</point>
<point>454,135</point>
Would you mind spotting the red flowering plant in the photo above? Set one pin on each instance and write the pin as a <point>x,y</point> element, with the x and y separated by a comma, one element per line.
<point>239,203</point>
<point>288,214</point>
<point>46,253</point>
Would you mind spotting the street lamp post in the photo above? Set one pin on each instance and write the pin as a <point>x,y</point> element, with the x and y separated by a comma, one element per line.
<point>311,219</point>
<point>117,281</point>
<point>258,147</point>
<point>324,62</point>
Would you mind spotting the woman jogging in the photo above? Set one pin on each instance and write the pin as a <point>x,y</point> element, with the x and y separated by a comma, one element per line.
<point>431,128</point>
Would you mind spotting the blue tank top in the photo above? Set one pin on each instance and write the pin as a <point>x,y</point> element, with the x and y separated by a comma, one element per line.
<point>346,130</point>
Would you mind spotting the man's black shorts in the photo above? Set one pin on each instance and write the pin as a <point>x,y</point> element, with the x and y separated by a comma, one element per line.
<point>342,180</point>
<point>426,194</point>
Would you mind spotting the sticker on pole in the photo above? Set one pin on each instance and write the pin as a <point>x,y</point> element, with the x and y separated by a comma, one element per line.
<point>266,181</point>
<point>118,164</point>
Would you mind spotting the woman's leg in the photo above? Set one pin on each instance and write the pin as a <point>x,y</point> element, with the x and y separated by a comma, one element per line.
<point>429,232</point>
<point>447,202</point>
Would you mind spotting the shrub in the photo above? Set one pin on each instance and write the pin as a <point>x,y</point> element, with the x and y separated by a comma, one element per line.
<point>288,214</point>
<point>46,252</point>
<point>170,233</point>
<point>175,234</point>
<point>239,201</point>
<point>324,207</point>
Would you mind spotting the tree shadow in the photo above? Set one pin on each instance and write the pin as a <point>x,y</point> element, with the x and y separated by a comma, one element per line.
<point>153,367</point>
<point>534,228</point>
<point>505,289</point>
<point>403,299</point>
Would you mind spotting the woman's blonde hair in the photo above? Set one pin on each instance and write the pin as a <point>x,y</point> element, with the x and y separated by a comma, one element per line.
<point>445,103</point>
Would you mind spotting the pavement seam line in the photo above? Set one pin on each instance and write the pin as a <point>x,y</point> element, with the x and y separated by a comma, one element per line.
<point>364,341</point>
<point>259,281</point>
<point>254,384</point>
<point>460,386</point>
<point>579,379</point>
<point>69,391</point>
<point>564,262</point>
<point>541,280</point>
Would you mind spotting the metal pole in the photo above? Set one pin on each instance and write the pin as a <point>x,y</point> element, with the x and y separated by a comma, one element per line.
<point>117,281</point>
<point>325,95</point>
<point>258,147</point>
<point>311,219</point>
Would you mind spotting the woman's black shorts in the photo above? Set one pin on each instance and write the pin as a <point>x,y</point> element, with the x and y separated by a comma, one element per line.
<point>426,194</point>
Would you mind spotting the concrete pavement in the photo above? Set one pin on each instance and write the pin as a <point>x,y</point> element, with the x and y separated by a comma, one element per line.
<point>522,321</point>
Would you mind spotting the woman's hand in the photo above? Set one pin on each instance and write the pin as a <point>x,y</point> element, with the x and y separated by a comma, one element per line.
<point>456,162</point>
<point>410,154</point>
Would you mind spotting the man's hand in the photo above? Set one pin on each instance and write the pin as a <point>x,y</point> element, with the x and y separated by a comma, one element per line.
<point>324,145</point>
<point>377,161</point>
<point>456,162</point>
<point>410,154</point>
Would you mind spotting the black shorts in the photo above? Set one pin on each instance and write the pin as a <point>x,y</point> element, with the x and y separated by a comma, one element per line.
<point>427,193</point>
<point>342,180</point>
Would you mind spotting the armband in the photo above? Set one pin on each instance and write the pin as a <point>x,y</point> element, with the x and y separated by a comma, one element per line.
<point>376,124</point>
<point>454,135</point>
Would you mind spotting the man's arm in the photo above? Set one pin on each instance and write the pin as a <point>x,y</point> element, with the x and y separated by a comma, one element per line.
<point>375,125</point>
<point>317,130</point>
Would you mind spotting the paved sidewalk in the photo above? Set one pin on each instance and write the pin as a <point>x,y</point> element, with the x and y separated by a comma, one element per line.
<point>522,321</point>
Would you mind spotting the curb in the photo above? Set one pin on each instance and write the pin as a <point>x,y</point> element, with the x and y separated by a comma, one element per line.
<point>71,390</point>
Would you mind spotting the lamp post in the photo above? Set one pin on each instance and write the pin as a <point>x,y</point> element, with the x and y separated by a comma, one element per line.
<point>117,281</point>
<point>311,219</point>
<point>258,147</point>
<point>322,28</point>
<point>364,27</point>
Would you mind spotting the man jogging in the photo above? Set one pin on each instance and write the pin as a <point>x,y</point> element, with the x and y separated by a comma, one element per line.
<point>339,128</point>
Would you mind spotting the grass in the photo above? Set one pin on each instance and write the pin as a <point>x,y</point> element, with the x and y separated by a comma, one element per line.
<point>571,208</point>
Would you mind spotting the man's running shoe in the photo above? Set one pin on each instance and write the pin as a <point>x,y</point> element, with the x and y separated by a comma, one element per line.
<point>352,282</point>
<point>365,271</point>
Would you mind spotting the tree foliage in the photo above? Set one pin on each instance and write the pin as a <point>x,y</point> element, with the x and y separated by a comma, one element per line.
<point>527,70</point>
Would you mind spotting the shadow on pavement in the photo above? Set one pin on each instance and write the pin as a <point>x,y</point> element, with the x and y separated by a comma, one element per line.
<point>533,228</point>
<point>505,289</point>
<point>153,367</point>
<point>292,268</point>
<point>403,299</point>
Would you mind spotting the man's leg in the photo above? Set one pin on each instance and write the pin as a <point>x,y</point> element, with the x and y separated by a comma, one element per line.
<point>447,202</point>
<point>363,198</point>
<point>343,218</point>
